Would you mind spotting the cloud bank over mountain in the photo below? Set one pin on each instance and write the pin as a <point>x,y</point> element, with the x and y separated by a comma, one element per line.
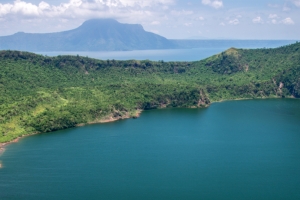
<point>170,18</point>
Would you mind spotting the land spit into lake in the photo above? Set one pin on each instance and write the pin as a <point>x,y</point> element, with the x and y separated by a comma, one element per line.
<point>110,118</point>
<point>44,94</point>
<point>3,145</point>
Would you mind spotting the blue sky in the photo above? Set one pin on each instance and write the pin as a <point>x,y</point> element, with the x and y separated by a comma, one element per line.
<point>174,19</point>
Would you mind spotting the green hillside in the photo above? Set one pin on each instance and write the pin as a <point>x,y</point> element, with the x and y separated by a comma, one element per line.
<point>42,94</point>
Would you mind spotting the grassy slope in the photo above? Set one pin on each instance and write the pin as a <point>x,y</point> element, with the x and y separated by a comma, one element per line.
<point>40,94</point>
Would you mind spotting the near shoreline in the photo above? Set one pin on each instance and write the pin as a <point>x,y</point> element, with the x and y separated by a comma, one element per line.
<point>110,118</point>
<point>106,119</point>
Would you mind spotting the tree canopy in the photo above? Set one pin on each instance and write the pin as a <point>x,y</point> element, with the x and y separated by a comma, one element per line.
<point>42,94</point>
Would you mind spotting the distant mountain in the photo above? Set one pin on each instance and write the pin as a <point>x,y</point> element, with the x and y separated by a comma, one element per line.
<point>110,35</point>
<point>92,35</point>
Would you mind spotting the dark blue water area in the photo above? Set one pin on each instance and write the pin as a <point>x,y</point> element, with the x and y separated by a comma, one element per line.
<point>207,48</point>
<point>230,150</point>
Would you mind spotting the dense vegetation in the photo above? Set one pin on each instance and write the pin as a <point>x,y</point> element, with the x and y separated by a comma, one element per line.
<point>41,94</point>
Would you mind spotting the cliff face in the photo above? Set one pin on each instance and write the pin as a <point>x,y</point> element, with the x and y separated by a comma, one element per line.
<point>92,35</point>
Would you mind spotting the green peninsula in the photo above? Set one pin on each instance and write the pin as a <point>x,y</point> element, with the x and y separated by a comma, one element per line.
<point>43,94</point>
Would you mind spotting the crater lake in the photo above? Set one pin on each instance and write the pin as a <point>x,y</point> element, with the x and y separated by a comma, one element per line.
<point>231,150</point>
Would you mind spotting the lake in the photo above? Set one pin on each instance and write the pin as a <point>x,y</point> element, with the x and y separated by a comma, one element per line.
<point>207,48</point>
<point>231,150</point>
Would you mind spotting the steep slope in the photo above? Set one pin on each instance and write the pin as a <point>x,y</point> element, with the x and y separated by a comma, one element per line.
<point>41,94</point>
<point>92,35</point>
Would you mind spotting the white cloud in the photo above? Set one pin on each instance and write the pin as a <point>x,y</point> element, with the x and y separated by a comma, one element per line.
<point>130,3</point>
<point>234,22</point>
<point>44,6</point>
<point>188,24</point>
<point>5,9</point>
<point>273,16</point>
<point>183,12</point>
<point>82,8</point>
<point>288,21</point>
<point>222,24</point>
<point>19,7</point>
<point>257,20</point>
<point>297,3</point>
<point>213,3</point>
<point>75,3</point>
<point>201,18</point>
<point>155,23</point>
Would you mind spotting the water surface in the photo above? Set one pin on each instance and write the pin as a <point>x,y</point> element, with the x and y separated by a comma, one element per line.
<point>205,49</point>
<point>231,150</point>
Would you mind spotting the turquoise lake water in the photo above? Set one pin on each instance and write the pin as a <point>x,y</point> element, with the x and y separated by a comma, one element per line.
<point>231,150</point>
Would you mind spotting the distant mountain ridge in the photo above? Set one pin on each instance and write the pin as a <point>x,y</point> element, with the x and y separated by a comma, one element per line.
<point>110,35</point>
<point>92,35</point>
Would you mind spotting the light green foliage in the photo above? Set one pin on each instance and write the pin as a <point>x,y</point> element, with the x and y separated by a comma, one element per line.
<point>41,94</point>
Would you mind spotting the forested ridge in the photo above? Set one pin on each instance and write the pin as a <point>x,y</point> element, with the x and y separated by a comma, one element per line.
<point>42,94</point>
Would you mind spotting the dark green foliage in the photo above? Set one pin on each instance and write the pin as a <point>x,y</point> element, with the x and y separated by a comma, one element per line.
<point>291,80</point>
<point>41,94</point>
<point>226,63</point>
